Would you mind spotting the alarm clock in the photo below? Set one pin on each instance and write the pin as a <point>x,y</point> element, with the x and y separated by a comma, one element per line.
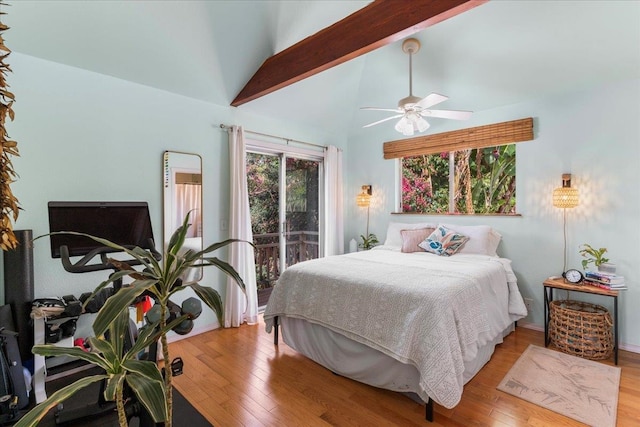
<point>573,276</point>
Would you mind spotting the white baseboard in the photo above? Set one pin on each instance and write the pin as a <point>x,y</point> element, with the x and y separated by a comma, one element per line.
<point>626,347</point>
<point>630,347</point>
<point>173,337</point>
<point>531,326</point>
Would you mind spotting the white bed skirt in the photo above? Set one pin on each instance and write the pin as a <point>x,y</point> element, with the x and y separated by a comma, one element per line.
<point>354,360</point>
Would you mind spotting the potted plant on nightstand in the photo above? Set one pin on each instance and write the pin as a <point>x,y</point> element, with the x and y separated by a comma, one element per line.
<point>595,256</point>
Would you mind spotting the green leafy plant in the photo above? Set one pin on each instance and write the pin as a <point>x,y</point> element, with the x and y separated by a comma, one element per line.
<point>9,206</point>
<point>592,255</point>
<point>142,376</point>
<point>161,279</point>
<point>369,241</point>
<point>484,181</point>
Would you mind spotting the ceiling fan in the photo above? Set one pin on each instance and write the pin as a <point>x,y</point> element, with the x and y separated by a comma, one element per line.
<point>412,110</point>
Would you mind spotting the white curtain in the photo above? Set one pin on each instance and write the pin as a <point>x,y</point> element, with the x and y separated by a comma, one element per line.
<point>334,222</point>
<point>238,308</point>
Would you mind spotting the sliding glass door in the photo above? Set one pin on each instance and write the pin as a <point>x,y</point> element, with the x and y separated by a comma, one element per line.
<point>284,199</point>
<point>301,214</point>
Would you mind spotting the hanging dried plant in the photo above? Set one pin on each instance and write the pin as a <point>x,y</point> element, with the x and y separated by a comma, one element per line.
<point>8,202</point>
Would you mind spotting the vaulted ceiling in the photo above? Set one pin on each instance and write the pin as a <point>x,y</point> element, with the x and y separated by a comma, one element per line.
<point>499,53</point>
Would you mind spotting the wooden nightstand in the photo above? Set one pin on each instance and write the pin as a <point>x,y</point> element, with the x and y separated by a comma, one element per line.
<point>551,284</point>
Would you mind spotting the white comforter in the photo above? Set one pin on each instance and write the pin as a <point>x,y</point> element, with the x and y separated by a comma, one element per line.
<point>421,309</point>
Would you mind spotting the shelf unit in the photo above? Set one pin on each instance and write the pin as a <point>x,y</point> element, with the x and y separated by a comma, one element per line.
<point>55,364</point>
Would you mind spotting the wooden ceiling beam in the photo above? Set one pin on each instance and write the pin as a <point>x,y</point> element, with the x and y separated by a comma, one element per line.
<point>376,25</point>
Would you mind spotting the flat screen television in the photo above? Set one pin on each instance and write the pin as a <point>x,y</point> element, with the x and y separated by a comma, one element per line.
<point>124,223</point>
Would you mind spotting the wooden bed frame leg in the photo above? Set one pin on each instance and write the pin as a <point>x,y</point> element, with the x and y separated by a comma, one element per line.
<point>429,410</point>
<point>275,330</point>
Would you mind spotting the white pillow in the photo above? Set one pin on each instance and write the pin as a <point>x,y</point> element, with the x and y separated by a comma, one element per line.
<point>483,239</point>
<point>394,238</point>
<point>494,242</point>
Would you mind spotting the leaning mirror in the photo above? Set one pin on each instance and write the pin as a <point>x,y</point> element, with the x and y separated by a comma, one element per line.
<point>182,175</point>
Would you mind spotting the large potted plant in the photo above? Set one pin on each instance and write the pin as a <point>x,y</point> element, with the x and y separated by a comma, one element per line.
<point>142,376</point>
<point>161,279</point>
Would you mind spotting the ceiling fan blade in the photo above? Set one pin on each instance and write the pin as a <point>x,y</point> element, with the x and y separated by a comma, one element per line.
<point>447,114</point>
<point>383,120</point>
<point>394,110</point>
<point>430,100</point>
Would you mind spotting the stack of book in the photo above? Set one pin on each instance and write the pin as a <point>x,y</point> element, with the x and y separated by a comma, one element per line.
<point>602,280</point>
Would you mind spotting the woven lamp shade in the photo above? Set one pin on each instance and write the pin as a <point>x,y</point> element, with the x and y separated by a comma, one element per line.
<point>363,199</point>
<point>565,197</point>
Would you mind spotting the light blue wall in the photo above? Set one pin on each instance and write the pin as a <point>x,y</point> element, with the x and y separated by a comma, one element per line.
<point>595,135</point>
<point>87,136</point>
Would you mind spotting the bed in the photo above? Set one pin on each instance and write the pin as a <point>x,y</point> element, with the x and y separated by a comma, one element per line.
<point>404,320</point>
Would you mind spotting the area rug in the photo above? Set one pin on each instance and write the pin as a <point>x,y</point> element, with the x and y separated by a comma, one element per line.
<point>584,390</point>
<point>183,412</point>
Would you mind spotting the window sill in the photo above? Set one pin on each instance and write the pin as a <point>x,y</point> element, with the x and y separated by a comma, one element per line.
<point>457,214</point>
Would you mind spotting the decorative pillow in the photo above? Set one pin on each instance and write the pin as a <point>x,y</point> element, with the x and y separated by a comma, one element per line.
<point>411,239</point>
<point>394,238</point>
<point>483,239</point>
<point>444,241</point>
<point>494,242</point>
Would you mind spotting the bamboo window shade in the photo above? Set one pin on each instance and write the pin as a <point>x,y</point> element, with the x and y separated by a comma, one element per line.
<point>477,137</point>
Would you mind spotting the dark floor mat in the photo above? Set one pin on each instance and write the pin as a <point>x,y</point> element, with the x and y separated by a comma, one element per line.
<point>183,412</point>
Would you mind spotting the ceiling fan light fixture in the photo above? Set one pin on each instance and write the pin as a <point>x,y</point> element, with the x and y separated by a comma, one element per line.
<point>412,108</point>
<point>404,126</point>
<point>421,124</point>
<point>411,123</point>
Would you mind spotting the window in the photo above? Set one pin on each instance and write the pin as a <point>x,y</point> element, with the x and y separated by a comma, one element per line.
<point>466,171</point>
<point>469,181</point>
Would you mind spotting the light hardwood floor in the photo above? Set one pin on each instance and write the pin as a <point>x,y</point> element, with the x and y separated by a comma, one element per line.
<point>237,377</point>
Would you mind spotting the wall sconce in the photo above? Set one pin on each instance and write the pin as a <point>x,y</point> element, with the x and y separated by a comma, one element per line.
<point>565,197</point>
<point>364,198</point>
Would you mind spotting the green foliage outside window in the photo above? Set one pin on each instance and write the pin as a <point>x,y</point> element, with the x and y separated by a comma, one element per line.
<point>264,194</point>
<point>263,172</point>
<point>484,182</point>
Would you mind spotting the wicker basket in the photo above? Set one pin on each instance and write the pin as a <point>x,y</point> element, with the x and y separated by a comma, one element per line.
<point>581,329</point>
